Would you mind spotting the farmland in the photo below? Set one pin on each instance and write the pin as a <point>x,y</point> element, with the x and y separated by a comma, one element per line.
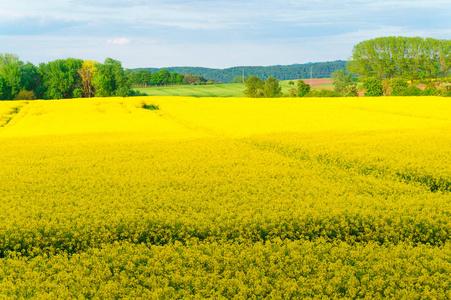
<point>226,198</point>
<point>214,90</point>
<point>222,90</point>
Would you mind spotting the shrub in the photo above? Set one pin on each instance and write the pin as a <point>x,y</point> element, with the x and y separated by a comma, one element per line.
<point>323,93</point>
<point>101,93</point>
<point>272,88</point>
<point>254,87</point>
<point>410,91</point>
<point>445,89</point>
<point>397,85</point>
<point>78,93</point>
<point>350,91</point>
<point>25,95</point>
<point>303,88</point>
<point>135,93</point>
<point>386,86</point>
<point>373,87</point>
<point>431,91</point>
<point>293,92</point>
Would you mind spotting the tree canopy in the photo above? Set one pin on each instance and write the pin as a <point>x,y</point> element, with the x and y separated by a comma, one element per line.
<point>62,78</point>
<point>413,58</point>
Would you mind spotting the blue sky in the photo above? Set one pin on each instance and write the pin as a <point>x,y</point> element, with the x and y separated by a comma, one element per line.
<point>215,33</point>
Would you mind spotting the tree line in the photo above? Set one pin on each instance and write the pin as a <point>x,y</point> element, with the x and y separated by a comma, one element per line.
<point>62,78</point>
<point>76,78</point>
<point>258,88</point>
<point>396,65</point>
<point>280,72</point>
<point>413,58</point>
<point>145,78</point>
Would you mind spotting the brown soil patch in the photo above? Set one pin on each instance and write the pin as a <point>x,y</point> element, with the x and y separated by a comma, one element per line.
<point>323,87</point>
<point>318,81</point>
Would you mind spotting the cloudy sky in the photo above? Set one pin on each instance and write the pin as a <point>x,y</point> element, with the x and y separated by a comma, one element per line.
<point>210,33</point>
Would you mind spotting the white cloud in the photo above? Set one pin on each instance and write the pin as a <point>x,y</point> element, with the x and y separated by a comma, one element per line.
<point>119,41</point>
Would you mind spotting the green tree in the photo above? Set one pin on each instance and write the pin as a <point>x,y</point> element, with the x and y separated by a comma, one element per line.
<point>239,79</point>
<point>373,87</point>
<point>254,87</point>
<point>293,92</point>
<point>61,77</point>
<point>11,72</point>
<point>87,72</point>
<point>111,79</point>
<point>341,80</point>
<point>25,95</point>
<point>272,88</point>
<point>164,77</point>
<point>303,88</point>
<point>5,90</point>
<point>414,58</point>
<point>397,85</point>
<point>350,91</point>
<point>32,80</point>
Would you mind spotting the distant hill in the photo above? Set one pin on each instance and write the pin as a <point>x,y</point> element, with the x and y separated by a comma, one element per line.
<point>280,72</point>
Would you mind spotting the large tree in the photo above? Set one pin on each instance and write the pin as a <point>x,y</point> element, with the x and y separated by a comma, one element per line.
<point>87,72</point>
<point>303,88</point>
<point>272,88</point>
<point>341,80</point>
<point>110,79</point>
<point>32,80</point>
<point>254,87</point>
<point>61,77</point>
<point>413,58</point>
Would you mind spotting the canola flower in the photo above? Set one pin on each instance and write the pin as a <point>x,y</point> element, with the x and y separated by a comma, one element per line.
<point>224,198</point>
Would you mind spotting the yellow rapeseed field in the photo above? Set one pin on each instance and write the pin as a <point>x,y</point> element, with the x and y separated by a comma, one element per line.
<point>226,198</point>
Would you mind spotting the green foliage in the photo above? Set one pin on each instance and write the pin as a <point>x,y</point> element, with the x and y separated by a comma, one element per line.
<point>373,87</point>
<point>194,79</point>
<point>431,91</point>
<point>272,88</point>
<point>323,93</point>
<point>397,85</point>
<point>320,70</point>
<point>149,106</point>
<point>254,87</point>
<point>11,72</point>
<point>350,91</point>
<point>414,58</point>
<point>25,95</point>
<point>5,90</point>
<point>136,93</point>
<point>239,79</point>
<point>291,82</point>
<point>341,80</point>
<point>302,88</point>
<point>293,92</point>
<point>111,79</point>
<point>410,91</point>
<point>32,80</point>
<point>78,93</point>
<point>60,77</point>
<point>445,89</point>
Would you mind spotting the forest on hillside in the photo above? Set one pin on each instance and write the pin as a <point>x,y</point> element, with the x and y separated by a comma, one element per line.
<point>280,72</point>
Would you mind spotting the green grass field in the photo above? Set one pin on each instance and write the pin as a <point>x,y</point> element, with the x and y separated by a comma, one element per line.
<point>216,90</point>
